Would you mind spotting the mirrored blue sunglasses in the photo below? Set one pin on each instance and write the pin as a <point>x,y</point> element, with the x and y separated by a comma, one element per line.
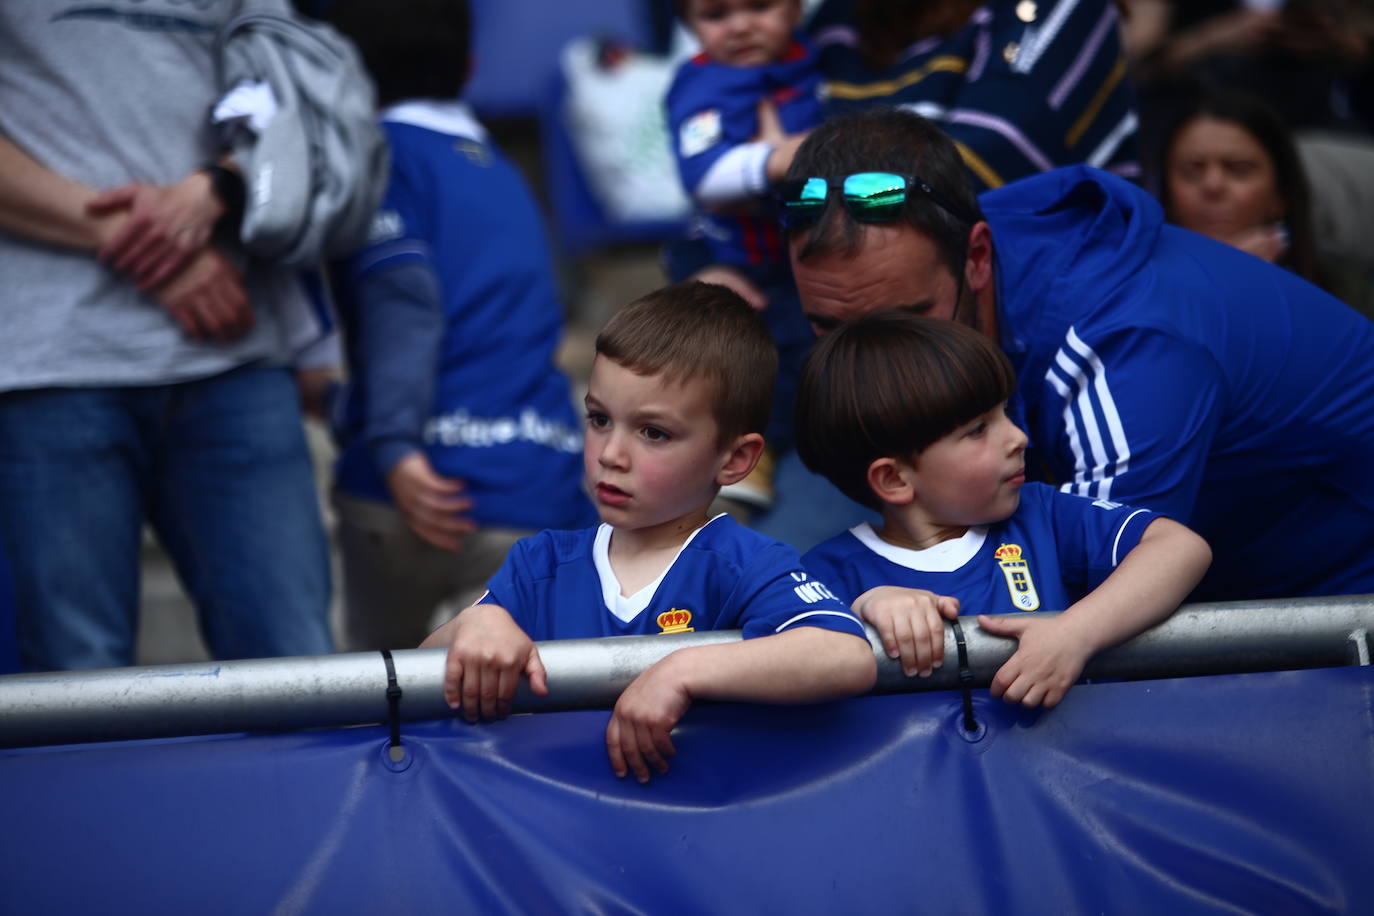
<point>869,197</point>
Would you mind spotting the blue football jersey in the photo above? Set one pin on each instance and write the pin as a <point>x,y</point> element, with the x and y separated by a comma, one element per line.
<point>560,585</point>
<point>712,108</point>
<point>492,409</point>
<point>1054,549</point>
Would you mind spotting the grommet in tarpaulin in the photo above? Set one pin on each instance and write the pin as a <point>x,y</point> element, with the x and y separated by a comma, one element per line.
<point>396,752</point>
<point>965,679</point>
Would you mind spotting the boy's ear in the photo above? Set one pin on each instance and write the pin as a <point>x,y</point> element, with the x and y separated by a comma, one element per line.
<point>892,481</point>
<point>743,455</point>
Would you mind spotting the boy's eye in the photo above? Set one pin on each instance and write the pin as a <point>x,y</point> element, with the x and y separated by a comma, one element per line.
<point>977,429</point>
<point>597,420</point>
<point>654,434</point>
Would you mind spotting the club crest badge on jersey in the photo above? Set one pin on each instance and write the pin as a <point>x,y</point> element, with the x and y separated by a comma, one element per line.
<point>1017,571</point>
<point>675,620</point>
<point>475,152</point>
<point>699,133</point>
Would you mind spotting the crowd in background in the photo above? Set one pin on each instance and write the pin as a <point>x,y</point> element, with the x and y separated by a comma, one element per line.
<point>156,310</point>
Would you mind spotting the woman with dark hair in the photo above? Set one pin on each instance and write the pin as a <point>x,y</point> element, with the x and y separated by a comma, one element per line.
<point>1230,171</point>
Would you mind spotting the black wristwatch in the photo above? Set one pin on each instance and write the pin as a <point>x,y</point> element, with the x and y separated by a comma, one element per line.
<point>228,187</point>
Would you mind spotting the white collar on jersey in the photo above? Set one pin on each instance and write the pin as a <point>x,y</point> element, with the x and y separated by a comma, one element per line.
<point>453,118</point>
<point>946,556</point>
<point>628,608</point>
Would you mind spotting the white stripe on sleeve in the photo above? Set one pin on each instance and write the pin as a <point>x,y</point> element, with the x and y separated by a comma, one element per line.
<point>1090,415</point>
<point>1116,542</point>
<point>784,625</point>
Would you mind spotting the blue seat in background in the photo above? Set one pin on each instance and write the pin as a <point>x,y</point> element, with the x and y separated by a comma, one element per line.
<point>516,44</point>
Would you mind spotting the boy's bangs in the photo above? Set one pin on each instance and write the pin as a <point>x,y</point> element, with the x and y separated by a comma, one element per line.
<point>888,385</point>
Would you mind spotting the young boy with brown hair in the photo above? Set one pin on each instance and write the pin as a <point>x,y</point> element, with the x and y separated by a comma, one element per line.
<point>906,415</point>
<point>679,390</point>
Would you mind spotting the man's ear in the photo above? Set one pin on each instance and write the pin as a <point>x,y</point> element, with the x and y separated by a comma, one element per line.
<point>740,460</point>
<point>892,481</point>
<point>978,258</point>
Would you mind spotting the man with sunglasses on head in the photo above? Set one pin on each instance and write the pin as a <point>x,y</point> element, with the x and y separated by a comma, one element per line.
<point>1154,366</point>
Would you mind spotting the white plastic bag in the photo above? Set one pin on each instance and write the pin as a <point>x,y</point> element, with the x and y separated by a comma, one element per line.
<point>616,122</point>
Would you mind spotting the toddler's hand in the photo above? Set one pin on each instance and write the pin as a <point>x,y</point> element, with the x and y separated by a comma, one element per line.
<point>721,275</point>
<point>639,732</point>
<point>486,657</point>
<point>909,620</point>
<point>1045,665</point>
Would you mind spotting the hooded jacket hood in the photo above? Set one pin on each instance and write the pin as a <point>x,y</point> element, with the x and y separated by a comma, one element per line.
<point>1073,229</point>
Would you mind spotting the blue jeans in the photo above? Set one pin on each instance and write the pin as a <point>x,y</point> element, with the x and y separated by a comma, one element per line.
<point>218,467</point>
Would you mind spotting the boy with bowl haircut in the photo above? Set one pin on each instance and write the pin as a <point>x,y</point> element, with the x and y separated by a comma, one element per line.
<point>906,414</point>
<point>680,387</point>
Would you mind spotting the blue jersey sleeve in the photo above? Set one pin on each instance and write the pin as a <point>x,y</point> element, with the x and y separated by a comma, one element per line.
<point>517,584</point>
<point>1138,410</point>
<point>1092,536</point>
<point>701,126</point>
<point>399,324</point>
<point>775,594</point>
<point>712,108</point>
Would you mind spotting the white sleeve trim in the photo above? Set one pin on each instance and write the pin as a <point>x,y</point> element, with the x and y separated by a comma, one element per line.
<point>736,176</point>
<point>802,616</point>
<point>1116,543</point>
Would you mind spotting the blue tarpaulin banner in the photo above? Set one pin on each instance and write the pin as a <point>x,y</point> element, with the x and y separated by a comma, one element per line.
<point>1238,794</point>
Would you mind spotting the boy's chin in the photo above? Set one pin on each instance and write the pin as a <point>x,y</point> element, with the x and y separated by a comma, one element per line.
<point>1015,503</point>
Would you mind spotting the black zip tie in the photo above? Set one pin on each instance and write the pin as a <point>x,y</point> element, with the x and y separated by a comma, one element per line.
<point>393,702</point>
<point>965,677</point>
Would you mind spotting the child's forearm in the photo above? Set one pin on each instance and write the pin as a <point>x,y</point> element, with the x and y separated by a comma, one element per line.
<point>442,637</point>
<point>740,175</point>
<point>1146,587</point>
<point>801,665</point>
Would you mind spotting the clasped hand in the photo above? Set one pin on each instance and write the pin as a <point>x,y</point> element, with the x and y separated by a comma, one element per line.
<point>488,653</point>
<point>1048,660</point>
<point>160,240</point>
<point>910,621</point>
